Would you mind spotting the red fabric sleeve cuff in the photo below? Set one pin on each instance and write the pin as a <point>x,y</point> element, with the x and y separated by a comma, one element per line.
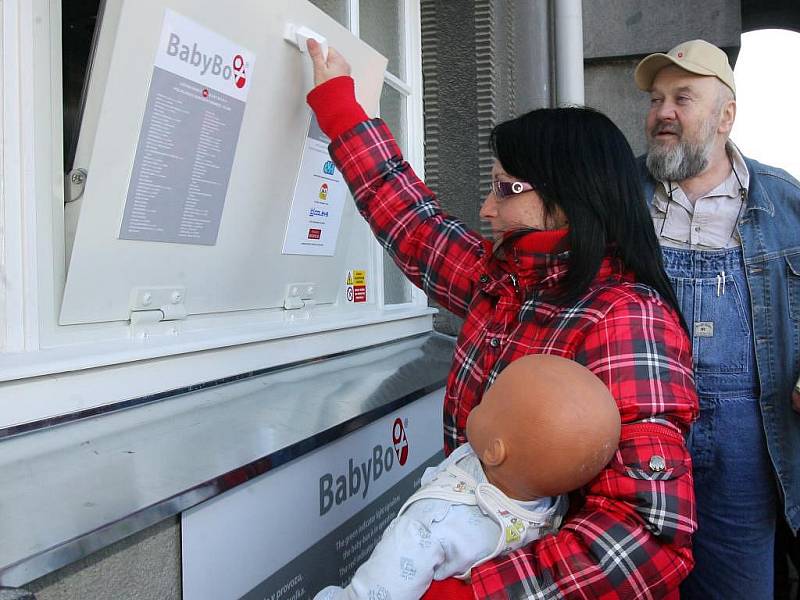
<point>449,589</point>
<point>334,102</point>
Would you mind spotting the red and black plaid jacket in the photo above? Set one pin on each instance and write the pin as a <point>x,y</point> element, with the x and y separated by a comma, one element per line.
<point>629,533</point>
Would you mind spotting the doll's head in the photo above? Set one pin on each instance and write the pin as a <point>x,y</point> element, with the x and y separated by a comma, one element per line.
<point>546,426</point>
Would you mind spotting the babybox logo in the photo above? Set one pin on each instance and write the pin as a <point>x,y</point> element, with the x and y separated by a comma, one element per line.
<point>335,490</point>
<point>400,440</point>
<point>203,56</point>
<point>204,62</point>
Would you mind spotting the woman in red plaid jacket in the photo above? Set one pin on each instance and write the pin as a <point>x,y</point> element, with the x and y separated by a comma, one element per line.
<point>574,270</point>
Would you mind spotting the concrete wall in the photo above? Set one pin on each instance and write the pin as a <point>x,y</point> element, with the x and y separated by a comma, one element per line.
<point>609,88</point>
<point>618,33</point>
<point>451,32</point>
<point>619,28</point>
<point>144,566</point>
<point>483,61</point>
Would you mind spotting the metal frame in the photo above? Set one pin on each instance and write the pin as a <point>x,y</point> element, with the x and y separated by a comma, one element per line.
<point>179,478</point>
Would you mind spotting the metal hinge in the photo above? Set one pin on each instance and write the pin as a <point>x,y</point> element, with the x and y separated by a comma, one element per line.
<point>153,305</point>
<point>165,313</point>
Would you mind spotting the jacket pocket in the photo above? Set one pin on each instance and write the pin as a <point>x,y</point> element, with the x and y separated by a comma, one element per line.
<point>654,476</point>
<point>719,323</point>
<point>651,462</point>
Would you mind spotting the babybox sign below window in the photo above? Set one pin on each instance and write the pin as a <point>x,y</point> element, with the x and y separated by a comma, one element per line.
<point>188,137</point>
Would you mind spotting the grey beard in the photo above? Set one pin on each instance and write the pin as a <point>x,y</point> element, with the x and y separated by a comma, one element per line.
<point>682,161</point>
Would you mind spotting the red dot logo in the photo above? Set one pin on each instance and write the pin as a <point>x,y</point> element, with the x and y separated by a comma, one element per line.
<point>400,441</point>
<point>205,93</point>
<point>680,54</point>
<point>239,71</point>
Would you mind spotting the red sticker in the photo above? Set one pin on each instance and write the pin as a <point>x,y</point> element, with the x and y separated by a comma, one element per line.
<point>400,441</point>
<point>239,71</point>
<point>359,293</point>
<point>314,234</point>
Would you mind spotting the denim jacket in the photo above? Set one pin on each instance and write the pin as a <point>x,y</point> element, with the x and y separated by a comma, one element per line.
<point>770,233</point>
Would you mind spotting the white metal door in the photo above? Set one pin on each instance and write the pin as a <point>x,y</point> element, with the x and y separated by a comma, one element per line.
<point>242,267</point>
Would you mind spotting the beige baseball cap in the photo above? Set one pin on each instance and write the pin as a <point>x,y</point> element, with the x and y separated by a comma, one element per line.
<point>695,56</point>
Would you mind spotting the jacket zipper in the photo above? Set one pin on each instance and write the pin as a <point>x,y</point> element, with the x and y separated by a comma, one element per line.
<point>631,430</point>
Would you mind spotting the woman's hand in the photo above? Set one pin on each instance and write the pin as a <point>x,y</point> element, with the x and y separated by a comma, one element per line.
<point>335,66</point>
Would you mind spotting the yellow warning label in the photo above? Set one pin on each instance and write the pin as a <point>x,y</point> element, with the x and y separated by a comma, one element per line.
<point>359,278</point>
<point>349,278</point>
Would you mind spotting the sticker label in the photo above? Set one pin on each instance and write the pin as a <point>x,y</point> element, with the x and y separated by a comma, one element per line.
<point>318,200</point>
<point>356,284</point>
<point>704,329</point>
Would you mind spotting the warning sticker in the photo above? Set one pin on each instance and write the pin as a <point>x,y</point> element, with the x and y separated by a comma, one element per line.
<point>356,283</point>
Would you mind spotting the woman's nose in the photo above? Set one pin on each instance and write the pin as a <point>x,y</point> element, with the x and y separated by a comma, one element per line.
<point>489,207</point>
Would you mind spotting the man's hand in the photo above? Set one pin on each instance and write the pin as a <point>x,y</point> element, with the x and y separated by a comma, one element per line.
<point>335,66</point>
<point>796,396</point>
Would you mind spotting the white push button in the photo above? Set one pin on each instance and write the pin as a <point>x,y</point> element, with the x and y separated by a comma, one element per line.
<point>298,36</point>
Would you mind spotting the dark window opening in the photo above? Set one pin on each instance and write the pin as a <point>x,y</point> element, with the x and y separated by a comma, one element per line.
<point>78,21</point>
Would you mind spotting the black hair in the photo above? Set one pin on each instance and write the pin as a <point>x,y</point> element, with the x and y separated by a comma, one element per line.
<point>580,162</point>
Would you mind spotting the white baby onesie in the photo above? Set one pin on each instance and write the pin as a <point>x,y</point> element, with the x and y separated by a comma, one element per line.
<point>454,522</point>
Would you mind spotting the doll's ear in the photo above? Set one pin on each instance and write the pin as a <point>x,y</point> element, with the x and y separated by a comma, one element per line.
<point>495,453</point>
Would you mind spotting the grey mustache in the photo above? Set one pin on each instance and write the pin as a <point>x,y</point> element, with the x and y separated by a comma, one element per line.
<point>666,128</point>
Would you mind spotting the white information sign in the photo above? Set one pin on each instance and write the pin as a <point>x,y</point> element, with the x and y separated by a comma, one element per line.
<point>188,137</point>
<point>313,521</point>
<point>318,200</point>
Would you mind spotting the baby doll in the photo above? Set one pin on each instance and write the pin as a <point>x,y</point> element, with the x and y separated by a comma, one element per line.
<point>546,426</point>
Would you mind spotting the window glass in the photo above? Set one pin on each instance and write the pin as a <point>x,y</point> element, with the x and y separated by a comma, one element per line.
<point>382,26</point>
<point>336,9</point>
<point>396,288</point>
<point>393,111</point>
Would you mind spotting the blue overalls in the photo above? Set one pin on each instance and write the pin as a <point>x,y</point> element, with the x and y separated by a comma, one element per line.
<point>734,481</point>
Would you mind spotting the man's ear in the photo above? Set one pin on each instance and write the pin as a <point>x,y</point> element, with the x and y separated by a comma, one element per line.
<point>727,116</point>
<point>495,453</point>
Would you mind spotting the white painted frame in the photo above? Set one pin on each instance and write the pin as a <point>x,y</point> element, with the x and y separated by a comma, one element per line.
<point>409,84</point>
<point>48,370</point>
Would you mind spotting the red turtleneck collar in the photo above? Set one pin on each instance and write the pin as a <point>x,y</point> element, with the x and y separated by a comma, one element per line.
<point>551,241</point>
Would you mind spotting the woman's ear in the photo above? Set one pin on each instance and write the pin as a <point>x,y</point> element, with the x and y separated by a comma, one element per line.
<point>495,453</point>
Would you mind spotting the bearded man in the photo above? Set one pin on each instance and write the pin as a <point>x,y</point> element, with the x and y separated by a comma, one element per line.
<point>729,228</point>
